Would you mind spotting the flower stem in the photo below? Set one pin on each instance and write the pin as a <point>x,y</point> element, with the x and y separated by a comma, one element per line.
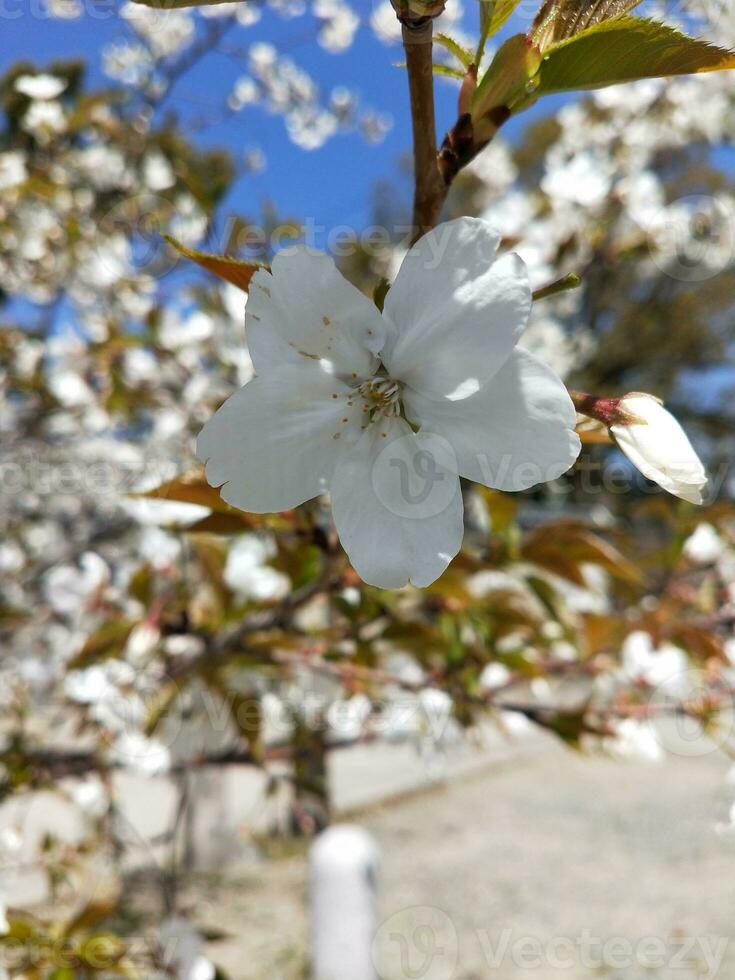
<point>429,189</point>
<point>572,281</point>
<point>609,411</point>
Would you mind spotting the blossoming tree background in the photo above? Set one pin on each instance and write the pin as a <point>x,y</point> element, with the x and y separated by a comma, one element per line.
<point>162,647</point>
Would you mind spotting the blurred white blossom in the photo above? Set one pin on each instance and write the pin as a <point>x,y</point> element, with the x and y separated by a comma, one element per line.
<point>41,87</point>
<point>704,546</point>
<point>181,950</point>
<point>248,573</point>
<point>663,666</point>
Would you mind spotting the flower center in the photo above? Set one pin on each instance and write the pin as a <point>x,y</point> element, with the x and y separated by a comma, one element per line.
<point>381,397</point>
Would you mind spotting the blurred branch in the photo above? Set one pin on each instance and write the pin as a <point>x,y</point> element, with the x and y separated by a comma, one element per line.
<point>51,764</point>
<point>216,29</point>
<point>230,642</point>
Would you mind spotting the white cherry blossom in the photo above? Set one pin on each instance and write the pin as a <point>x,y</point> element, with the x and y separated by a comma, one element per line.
<point>664,666</point>
<point>13,170</point>
<point>44,120</point>
<point>147,756</point>
<point>387,412</point>
<point>658,446</point>
<point>69,589</point>
<point>704,546</point>
<point>247,573</point>
<point>583,179</point>
<point>40,87</point>
<point>635,740</point>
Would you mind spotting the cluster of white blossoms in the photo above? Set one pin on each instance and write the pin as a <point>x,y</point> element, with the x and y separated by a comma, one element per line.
<point>74,445</point>
<point>277,84</point>
<point>61,228</point>
<point>162,38</point>
<point>164,32</point>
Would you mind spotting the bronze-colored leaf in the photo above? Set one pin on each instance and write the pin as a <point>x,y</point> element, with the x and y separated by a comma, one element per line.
<point>190,488</point>
<point>91,915</point>
<point>224,523</point>
<point>700,644</point>
<point>563,547</point>
<point>593,433</point>
<point>235,271</point>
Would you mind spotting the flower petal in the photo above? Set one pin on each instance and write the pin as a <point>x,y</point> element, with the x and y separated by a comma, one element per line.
<point>397,505</point>
<point>517,431</point>
<point>274,442</point>
<point>455,311</point>
<point>306,309</point>
<point>661,449</point>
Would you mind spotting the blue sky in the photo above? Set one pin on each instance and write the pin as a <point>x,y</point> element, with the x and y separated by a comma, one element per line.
<point>332,185</point>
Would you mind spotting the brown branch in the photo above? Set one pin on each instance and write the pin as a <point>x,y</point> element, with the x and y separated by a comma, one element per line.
<point>231,642</point>
<point>435,168</point>
<point>429,190</point>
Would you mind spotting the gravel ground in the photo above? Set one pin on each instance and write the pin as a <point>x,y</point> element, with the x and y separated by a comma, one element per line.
<point>556,865</point>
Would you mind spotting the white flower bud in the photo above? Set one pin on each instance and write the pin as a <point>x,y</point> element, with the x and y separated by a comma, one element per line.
<point>658,446</point>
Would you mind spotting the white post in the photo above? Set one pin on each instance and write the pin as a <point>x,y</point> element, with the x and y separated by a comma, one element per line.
<point>343,878</point>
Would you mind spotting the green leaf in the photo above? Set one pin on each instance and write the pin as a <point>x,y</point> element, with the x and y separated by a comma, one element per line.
<point>493,14</point>
<point>246,713</point>
<point>22,930</point>
<point>463,55</point>
<point>624,50</point>
<point>446,72</point>
<point>561,19</point>
<point>140,585</point>
<point>108,641</point>
<point>505,84</point>
<point>161,707</point>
